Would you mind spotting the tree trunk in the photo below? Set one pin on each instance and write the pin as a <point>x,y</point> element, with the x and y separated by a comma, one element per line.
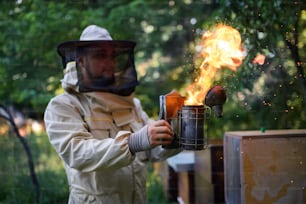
<point>293,46</point>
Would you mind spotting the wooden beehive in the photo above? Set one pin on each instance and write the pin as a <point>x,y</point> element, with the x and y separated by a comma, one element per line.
<point>265,167</point>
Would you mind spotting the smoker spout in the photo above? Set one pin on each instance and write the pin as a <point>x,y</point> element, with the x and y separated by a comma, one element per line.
<point>215,98</point>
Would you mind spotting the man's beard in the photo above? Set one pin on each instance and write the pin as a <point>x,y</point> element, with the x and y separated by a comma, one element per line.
<point>102,81</point>
<point>98,82</point>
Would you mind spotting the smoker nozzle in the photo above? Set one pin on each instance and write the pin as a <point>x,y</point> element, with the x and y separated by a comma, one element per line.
<point>215,98</point>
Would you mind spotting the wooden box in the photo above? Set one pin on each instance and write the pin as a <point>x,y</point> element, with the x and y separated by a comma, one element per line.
<point>177,174</point>
<point>265,167</point>
<point>209,174</point>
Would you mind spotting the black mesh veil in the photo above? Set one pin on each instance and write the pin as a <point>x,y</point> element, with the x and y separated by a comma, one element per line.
<point>120,55</point>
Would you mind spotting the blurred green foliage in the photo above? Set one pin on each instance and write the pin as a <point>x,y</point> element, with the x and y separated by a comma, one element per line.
<point>16,186</point>
<point>167,33</point>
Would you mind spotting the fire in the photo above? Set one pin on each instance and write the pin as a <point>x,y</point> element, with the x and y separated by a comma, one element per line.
<point>259,59</point>
<point>221,48</point>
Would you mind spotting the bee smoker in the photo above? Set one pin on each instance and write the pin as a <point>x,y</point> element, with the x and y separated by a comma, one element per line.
<point>187,122</point>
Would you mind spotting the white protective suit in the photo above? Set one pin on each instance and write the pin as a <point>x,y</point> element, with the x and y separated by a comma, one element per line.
<point>90,133</point>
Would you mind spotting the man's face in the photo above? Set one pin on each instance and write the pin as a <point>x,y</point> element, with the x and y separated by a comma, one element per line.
<point>105,68</point>
<point>97,62</point>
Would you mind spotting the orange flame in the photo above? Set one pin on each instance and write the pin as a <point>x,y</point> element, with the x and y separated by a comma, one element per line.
<point>221,48</point>
<point>259,59</point>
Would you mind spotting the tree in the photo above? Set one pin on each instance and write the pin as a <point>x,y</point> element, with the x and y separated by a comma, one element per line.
<point>30,68</point>
<point>167,34</point>
<point>274,93</point>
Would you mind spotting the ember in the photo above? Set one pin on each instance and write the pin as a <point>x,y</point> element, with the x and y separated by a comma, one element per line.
<point>259,59</point>
<point>221,48</point>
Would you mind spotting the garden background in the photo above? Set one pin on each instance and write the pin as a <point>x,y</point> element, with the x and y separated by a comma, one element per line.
<point>168,34</point>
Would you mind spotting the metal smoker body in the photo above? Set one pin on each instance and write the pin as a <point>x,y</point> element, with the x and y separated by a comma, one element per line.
<point>187,122</point>
<point>191,127</point>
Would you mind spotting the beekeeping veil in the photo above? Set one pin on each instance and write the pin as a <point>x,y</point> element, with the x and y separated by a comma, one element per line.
<point>97,39</point>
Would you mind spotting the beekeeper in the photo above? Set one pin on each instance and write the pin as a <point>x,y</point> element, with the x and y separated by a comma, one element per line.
<point>97,127</point>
